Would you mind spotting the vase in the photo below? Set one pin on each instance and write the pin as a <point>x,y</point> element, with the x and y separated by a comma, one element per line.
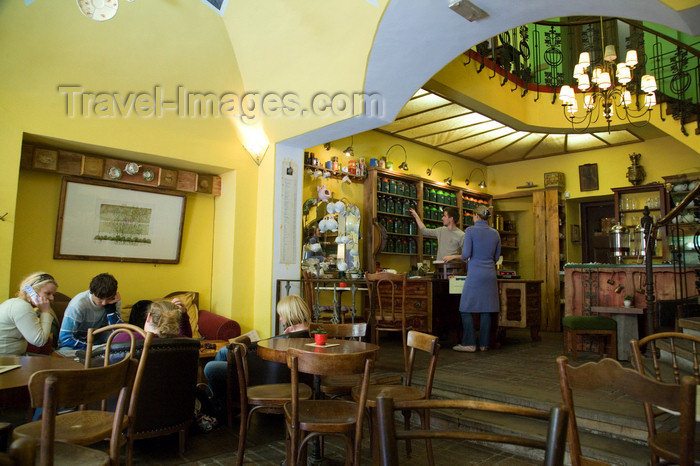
<point>627,303</point>
<point>320,338</point>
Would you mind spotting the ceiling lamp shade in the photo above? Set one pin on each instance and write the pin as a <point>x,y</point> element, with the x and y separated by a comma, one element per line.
<point>648,83</point>
<point>584,82</point>
<point>610,54</point>
<point>584,59</point>
<point>566,95</point>
<point>631,58</point>
<point>624,74</point>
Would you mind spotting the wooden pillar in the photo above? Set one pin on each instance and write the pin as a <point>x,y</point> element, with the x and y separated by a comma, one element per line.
<point>545,205</point>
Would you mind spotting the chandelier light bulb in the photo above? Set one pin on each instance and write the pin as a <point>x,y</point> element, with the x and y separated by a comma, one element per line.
<point>631,58</point>
<point>584,82</point>
<point>624,74</point>
<point>648,83</point>
<point>626,99</point>
<point>604,80</point>
<point>566,95</point>
<point>650,100</point>
<point>584,59</point>
<point>610,54</point>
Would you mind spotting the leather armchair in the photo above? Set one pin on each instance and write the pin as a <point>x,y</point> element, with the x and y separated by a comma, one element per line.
<point>166,399</point>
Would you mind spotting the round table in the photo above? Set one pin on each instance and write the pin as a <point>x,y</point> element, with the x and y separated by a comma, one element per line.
<point>275,349</point>
<point>13,383</point>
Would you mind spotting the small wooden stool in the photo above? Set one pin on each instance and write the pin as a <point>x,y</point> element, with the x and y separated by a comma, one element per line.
<point>590,325</point>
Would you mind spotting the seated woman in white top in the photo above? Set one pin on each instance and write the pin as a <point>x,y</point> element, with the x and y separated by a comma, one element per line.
<point>19,323</point>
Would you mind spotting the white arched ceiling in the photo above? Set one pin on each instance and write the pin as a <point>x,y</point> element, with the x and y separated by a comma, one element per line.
<point>416,38</point>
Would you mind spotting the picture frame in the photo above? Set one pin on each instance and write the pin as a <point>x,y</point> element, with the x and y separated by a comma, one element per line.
<point>575,233</point>
<point>102,220</point>
<point>588,176</point>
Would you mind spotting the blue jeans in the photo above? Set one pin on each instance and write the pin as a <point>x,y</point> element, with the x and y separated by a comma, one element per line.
<point>468,337</point>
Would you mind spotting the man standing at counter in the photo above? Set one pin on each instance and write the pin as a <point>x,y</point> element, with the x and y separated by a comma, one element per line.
<point>449,236</point>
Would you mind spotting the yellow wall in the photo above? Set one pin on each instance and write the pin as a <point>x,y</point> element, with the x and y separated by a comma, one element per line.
<point>38,201</point>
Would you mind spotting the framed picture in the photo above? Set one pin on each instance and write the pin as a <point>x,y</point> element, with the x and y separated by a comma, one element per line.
<point>100,220</point>
<point>588,176</point>
<point>575,233</point>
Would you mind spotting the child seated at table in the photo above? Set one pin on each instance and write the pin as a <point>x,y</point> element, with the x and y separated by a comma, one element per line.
<point>295,316</point>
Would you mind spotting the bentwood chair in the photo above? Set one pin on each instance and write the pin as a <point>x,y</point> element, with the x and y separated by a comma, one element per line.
<point>416,341</point>
<point>22,452</point>
<point>553,441</point>
<point>390,309</point>
<point>661,356</point>
<point>50,389</point>
<point>610,376</point>
<point>308,419</point>
<point>336,385</point>
<point>267,398</point>
<point>88,426</point>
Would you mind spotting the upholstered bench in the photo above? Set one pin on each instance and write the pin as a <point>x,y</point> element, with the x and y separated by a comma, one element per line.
<point>597,326</point>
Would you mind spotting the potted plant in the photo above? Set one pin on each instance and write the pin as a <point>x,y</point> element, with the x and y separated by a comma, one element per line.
<point>627,300</point>
<point>320,336</point>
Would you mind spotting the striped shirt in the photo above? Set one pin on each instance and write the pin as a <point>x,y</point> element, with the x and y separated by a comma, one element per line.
<point>82,314</point>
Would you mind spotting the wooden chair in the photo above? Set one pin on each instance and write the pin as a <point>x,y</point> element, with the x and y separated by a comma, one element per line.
<point>52,388</point>
<point>22,452</point>
<point>677,346</point>
<point>96,425</point>
<point>610,375</point>
<point>336,385</point>
<point>317,418</point>
<point>390,309</point>
<point>553,441</point>
<point>268,398</point>
<point>596,326</point>
<point>416,341</point>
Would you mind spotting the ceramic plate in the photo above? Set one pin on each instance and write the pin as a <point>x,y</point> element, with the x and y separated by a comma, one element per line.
<point>148,175</point>
<point>132,168</point>
<point>115,173</point>
<point>99,10</point>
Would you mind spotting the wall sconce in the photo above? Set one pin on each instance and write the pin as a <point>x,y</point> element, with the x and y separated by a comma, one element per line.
<point>482,185</point>
<point>349,152</point>
<point>254,140</point>
<point>447,180</point>
<point>403,166</point>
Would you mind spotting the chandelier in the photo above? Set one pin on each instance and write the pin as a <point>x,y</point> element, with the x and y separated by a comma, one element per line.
<point>605,90</point>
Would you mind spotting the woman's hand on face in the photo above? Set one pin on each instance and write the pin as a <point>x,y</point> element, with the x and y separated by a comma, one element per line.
<point>178,302</point>
<point>44,304</point>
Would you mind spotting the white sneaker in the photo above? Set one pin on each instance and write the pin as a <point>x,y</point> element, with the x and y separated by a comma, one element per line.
<point>464,349</point>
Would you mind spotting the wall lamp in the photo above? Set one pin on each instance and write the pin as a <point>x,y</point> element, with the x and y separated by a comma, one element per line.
<point>482,185</point>
<point>447,180</point>
<point>403,166</point>
<point>349,152</point>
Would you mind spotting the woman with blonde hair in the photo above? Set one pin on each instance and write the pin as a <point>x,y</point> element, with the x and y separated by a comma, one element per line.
<point>163,319</point>
<point>19,323</point>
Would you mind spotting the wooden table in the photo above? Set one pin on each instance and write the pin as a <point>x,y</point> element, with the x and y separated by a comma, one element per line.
<point>275,349</point>
<point>13,384</point>
<point>627,326</point>
<point>206,354</point>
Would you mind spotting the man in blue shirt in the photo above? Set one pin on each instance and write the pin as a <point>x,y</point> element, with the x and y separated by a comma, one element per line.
<point>95,308</point>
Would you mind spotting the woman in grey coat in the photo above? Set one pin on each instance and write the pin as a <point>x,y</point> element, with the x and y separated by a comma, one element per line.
<point>481,250</point>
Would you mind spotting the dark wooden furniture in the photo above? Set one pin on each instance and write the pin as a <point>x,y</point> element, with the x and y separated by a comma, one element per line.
<point>389,294</point>
<point>308,419</point>
<point>336,385</point>
<point>417,342</point>
<point>269,398</point>
<point>614,379</point>
<point>591,326</point>
<point>51,389</point>
<point>553,441</point>
<point>89,426</point>
<point>13,391</point>
<point>646,358</point>
<point>275,349</point>
<point>22,452</point>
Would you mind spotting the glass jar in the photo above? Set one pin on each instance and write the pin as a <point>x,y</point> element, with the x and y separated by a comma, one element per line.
<point>432,197</point>
<point>381,207</point>
<point>384,185</point>
<point>440,196</point>
<point>392,186</point>
<point>390,205</point>
<point>400,188</point>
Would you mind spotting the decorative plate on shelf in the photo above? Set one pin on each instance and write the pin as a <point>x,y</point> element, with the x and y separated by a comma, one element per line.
<point>99,10</point>
<point>115,173</point>
<point>132,168</point>
<point>148,175</point>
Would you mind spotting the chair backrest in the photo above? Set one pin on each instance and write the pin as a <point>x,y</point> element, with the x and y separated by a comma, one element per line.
<point>552,442</point>
<point>673,343</point>
<point>113,331</point>
<point>52,388</point>
<point>390,292</point>
<point>427,343</point>
<point>344,331</point>
<point>331,364</point>
<point>238,367</point>
<point>608,374</point>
